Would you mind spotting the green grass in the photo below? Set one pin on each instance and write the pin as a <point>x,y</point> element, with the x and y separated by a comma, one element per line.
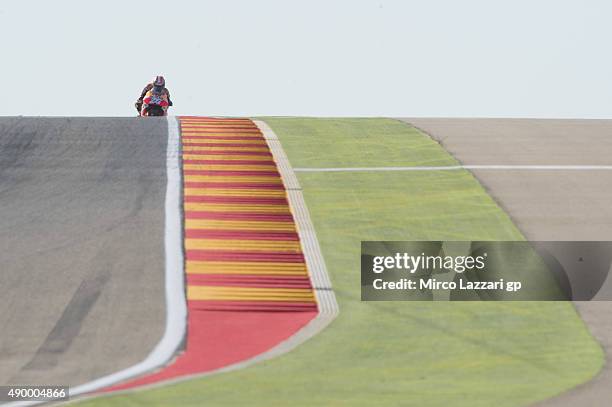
<point>356,143</point>
<point>399,353</point>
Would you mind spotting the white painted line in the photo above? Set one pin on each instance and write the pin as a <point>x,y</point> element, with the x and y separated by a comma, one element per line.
<point>176,305</point>
<point>540,167</point>
<point>374,169</point>
<point>462,167</point>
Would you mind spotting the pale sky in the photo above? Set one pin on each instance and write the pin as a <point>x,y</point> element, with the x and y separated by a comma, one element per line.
<point>468,58</point>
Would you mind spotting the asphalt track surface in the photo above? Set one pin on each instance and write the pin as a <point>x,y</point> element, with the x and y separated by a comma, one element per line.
<point>82,240</point>
<point>546,204</point>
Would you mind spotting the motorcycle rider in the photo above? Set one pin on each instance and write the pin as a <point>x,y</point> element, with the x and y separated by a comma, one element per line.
<point>159,85</point>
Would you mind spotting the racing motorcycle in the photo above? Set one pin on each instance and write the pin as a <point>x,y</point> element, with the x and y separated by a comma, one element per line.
<point>155,104</point>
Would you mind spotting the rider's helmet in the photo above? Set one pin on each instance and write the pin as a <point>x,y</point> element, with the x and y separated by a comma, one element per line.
<point>159,84</point>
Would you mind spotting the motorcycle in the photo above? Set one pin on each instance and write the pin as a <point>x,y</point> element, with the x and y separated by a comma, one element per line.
<point>154,104</point>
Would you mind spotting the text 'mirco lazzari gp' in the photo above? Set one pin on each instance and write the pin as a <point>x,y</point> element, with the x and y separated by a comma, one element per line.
<point>485,270</point>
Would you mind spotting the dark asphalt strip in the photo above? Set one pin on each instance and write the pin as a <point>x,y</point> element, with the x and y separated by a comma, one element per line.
<point>69,324</point>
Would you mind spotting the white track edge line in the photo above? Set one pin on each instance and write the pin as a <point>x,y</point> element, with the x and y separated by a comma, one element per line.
<point>462,167</point>
<point>176,305</point>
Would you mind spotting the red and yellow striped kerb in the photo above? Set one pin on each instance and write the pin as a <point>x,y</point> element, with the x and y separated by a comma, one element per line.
<point>243,251</point>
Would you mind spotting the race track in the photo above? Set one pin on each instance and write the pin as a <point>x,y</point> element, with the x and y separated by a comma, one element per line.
<point>546,204</point>
<point>81,232</point>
